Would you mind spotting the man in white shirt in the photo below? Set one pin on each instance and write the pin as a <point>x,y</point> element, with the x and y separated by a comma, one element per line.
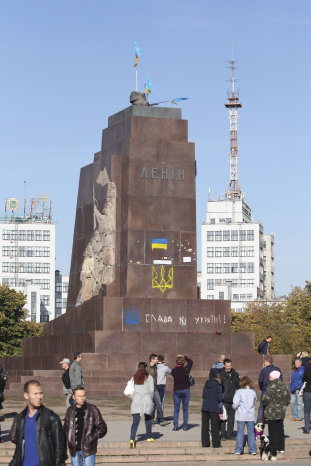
<point>161,379</point>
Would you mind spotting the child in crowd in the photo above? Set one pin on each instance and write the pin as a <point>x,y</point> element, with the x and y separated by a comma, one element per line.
<point>244,404</point>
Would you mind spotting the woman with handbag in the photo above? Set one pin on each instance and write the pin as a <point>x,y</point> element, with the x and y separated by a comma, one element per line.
<point>212,396</point>
<point>181,391</point>
<point>142,404</point>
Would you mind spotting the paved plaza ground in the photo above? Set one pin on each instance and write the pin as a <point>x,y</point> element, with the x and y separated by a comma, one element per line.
<point>116,412</point>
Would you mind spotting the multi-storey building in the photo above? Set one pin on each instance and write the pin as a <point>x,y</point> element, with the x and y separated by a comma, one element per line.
<point>61,293</point>
<point>237,258</point>
<point>27,245</point>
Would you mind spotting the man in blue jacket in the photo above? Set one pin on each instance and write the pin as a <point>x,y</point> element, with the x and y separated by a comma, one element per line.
<point>296,383</point>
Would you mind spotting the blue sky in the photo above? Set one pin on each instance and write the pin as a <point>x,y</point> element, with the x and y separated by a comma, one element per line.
<point>67,65</point>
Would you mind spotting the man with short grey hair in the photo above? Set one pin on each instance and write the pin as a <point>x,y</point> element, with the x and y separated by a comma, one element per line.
<point>75,372</point>
<point>65,363</point>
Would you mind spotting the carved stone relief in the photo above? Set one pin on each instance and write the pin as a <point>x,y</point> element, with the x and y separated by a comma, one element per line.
<point>98,266</point>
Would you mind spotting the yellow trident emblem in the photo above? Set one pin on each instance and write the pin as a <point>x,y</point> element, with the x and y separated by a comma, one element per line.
<point>161,282</point>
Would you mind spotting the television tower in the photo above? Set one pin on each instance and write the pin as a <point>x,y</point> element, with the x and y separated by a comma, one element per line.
<point>233,191</point>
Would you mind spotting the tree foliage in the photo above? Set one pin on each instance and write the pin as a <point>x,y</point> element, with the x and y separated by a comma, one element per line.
<point>13,324</point>
<point>288,322</point>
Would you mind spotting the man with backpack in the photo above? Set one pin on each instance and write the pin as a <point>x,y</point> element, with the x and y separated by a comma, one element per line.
<point>264,346</point>
<point>65,363</point>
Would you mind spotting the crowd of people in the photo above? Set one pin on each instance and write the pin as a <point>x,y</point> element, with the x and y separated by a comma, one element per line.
<point>41,438</point>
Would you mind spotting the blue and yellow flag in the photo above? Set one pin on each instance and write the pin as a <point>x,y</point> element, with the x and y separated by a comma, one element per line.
<point>148,86</point>
<point>137,54</point>
<point>159,243</point>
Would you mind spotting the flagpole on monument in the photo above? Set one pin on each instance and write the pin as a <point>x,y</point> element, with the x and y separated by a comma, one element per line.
<point>137,55</point>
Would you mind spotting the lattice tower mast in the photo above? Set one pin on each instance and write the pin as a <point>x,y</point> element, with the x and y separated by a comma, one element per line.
<point>233,191</point>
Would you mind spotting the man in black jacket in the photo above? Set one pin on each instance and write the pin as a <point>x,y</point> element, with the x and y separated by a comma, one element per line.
<point>230,381</point>
<point>83,427</point>
<point>37,432</point>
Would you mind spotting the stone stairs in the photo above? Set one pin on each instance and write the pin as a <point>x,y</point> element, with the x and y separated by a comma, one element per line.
<point>175,452</point>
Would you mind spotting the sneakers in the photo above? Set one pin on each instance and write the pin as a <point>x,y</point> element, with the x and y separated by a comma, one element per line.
<point>132,444</point>
<point>151,439</point>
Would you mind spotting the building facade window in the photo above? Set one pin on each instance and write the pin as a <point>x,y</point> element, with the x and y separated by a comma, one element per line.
<point>45,299</point>
<point>226,268</point>
<point>218,268</point>
<point>218,235</point>
<point>226,235</point>
<point>250,267</point>
<point>59,287</point>
<point>221,295</point>
<point>218,282</point>
<point>65,287</point>
<point>234,235</point>
<point>250,235</point>
<point>210,252</point>
<point>218,252</point>
<point>46,235</point>
<point>210,236</point>
<point>38,235</point>
<point>210,284</point>
<point>210,296</point>
<point>234,251</point>
<point>58,302</point>
<point>234,268</point>
<point>210,268</point>
<point>226,252</point>
<point>242,235</point>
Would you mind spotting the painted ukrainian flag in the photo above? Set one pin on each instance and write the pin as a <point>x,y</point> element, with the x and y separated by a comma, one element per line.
<point>159,243</point>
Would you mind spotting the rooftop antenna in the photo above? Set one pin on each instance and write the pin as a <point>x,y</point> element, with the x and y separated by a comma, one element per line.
<point>233,104</point>
<point>25,195</point>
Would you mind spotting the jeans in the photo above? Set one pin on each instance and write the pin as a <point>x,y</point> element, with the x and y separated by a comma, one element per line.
<point>78,459</point>
<point>276,436</point>
<point>135,424</point>
<point>251,441</point>
<point>206,417</point>
<point>229,423</point>
<point>179,395</point>
<point>162,390</point>
<point>296,402</point>
<point>260,409</point>
<point>307,410</point>
<point>157,405</point>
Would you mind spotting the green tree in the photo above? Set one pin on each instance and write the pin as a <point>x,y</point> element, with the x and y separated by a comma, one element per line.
<point>13,324</point>
<point>288,322</point>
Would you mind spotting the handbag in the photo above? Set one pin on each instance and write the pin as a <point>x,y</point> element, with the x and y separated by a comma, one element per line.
<point>130,389</point>
<point>223,415</point>
<point>190,379</point>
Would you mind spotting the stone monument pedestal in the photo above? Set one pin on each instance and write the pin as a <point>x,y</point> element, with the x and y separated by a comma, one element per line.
<point>132,287</point>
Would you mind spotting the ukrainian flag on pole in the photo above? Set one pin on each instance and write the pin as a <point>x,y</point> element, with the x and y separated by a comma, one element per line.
<point>137,54</point>
<point>159,243</point>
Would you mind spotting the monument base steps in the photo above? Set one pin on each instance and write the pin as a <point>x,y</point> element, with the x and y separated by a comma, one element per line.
<point>102,380</point>
<point>176,452</point>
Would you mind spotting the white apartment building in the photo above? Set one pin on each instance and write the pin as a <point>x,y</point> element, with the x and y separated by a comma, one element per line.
<point>27,245</point>
<point>232,254</point>
<point>61,293</point>
<point>237,258</point>
<point>268,265</point>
